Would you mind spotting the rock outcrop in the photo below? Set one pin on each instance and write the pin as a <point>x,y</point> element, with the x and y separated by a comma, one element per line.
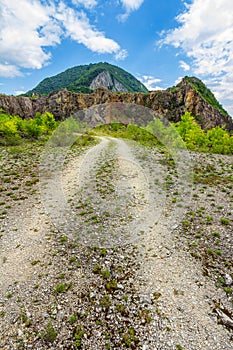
<point>170,103</point>
<point>104,80</point>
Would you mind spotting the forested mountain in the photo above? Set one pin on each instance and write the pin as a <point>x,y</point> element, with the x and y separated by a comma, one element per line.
<point>86,78</point>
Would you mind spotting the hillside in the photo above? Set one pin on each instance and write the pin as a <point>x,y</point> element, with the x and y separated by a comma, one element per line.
<point>205,93</point>
<point>86,78</point>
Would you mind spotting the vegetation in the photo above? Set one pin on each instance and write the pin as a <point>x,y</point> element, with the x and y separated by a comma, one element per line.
<point>50,334</point>
<point>79,78</point>
<point>129,131</point>
<point>73,316</point>
<point>14,128</point>
<point>215,140</point>
<point>205,93</point>
<point>187,132</point>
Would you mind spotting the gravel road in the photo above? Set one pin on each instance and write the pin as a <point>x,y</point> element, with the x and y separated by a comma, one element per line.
<point>105,257</point>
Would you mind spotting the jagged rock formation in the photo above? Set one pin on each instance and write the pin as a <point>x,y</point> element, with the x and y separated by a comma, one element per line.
<point>170,103</point>
<point>105,80</point>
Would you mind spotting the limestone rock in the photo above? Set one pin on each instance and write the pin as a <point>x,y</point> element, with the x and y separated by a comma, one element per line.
<point>167,103</point>
<point>105,80</point>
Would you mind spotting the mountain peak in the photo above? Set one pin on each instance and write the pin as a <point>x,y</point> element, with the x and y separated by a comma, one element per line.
<point>203,91</point>
<point>86,78</point>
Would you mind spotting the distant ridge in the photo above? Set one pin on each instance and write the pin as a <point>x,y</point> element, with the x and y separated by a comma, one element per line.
<point>86,78</point>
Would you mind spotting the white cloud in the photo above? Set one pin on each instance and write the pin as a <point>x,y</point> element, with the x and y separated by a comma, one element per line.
<point>150,82</point>
<point>19,92</point>
<point>205,34</point>
<point>29,27</point>
<point>86,3</point>
<point>9,71</point>
<point>121,55</point>
<point>129,5</point>
<point>78,28</point>
<point>185,66</point>
<point>230,109</point>
<point>26,27</point>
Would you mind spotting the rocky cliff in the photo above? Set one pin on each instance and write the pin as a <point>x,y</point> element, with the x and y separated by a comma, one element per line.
<point>105,80</point>
<point>170,103</point>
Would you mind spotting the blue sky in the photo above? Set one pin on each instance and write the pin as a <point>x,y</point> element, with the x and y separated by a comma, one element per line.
<point>158,41</point>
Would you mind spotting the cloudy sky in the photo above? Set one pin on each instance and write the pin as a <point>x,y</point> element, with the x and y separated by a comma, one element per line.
<point>158,41</point>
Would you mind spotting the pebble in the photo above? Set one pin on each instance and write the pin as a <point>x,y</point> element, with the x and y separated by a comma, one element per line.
<point>228,280</point>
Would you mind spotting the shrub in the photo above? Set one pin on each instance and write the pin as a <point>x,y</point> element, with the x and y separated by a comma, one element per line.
<point>13,128</point>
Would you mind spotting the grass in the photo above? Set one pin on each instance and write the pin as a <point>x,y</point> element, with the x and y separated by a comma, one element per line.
<point>50,333</point>
<point>179,347</point>
<point>78,335</point>
<point>105,274</point>
<point>129,338</point>
<point>35,262</point>
<point>111,285</point>
<point>131,132</point>
<point>73,319</point>
<point>63,239</point>
<point>228,290</point>
<point>9,295</point>
<point>225,221</point>
<point>60,288</point>
<point>105,301</point>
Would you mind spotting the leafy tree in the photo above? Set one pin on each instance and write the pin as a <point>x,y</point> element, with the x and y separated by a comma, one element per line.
<point>219,141</point>
<point>13,128</point>
<point>79,78</point>
<point>9,133</point>
<point>49,121</point>
<point>156,127</point>
<point>32,129</point>
<point>167,135</point>
<point>191,132</point>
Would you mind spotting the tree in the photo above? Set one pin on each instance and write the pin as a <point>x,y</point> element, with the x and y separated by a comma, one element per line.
<point>219,141</point>
<point>191,132</point>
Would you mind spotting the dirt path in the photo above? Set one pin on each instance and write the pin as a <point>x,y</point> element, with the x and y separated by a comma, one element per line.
<point>24,225</point>
<point>105,268</point>
<point>185,294</point>
<point>23,242</point>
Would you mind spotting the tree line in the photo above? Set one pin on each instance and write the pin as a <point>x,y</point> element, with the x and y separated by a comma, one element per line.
<point>14,129</point>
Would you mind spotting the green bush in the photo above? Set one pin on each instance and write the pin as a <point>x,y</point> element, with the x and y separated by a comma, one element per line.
<point>191,133</point>
<point>215,140</point>
<point>14,128</point>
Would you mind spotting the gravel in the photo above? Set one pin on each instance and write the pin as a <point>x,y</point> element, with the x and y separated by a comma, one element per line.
<point>135,257</point>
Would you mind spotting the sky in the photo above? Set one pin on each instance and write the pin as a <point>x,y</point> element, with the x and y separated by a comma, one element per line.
<point>158,41</point>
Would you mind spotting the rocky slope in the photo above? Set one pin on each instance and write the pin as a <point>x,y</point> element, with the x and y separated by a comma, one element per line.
<point>104,79</point>
<point>170,103</point>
